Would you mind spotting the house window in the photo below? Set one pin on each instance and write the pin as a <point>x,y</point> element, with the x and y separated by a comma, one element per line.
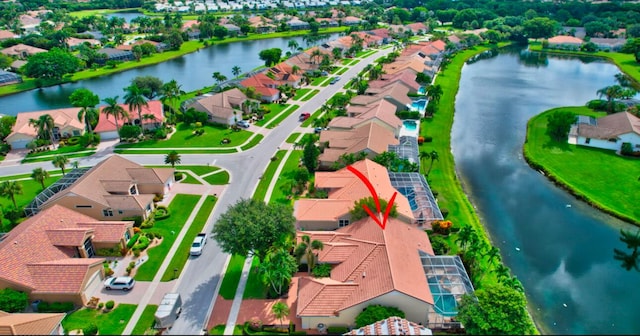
<point>133,190</point>
<point>587,141</point>
<point>127,236</point>
<point>120,212</point>
<point>88,247</point>
<point>613,140</point>
<point>107,213</point>
<point>76,133</point>
<point>84,206</point>
<point>343,222</point>
<point>149,207</point>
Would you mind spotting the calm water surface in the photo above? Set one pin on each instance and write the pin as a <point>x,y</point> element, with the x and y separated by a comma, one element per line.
<point>566,253</point>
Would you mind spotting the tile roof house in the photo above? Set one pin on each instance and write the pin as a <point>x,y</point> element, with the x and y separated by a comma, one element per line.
<point>50,256</point>
<point>262,24</point>
<point>265,86</point>
<point>344,189</point>
<point>283,74</point>
<point>74,43</point>
<point>303,61</point>
<point>223,108</point>
<point>128,47</point>
<point>31,324</point>
<point>65,120</point>
<point>608,132</point>
<point>392,326</point>
<point>22,51</point>
<point>396,94</point>
<point>114,54</point>
<point>351,21</point>
<point>380,112</point>
<point>369,266</point>
<point>106,126</point>
<point>297,24</point>
<point>418,28</point>
<point>561,41</point>
<point>7,77</point>
<point>114,189</point>
<point>6,34</point>
<point>611,44</point>
<point>371,139</point>
<point>407,77</point>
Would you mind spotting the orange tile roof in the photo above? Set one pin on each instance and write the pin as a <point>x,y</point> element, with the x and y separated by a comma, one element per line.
<point>392,326</point>
<point>108,124</point>
<point>371,137</point>
<point>406,76</point>
<point>222,105</point>
<point>384,261</point>
<point>63,118</point>
<point>380,109</point>
<point>61,276</point>
<point>30,323</point>
<point>18,49</point>
<point>73,236</point>
<point>108,232</point>
<point>5,34</point>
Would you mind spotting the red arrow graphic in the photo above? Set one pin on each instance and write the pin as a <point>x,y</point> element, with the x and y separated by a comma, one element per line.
<point>373,192</point>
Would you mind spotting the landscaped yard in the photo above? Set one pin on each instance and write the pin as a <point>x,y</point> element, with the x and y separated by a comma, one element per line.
<point>198,170</point>
<point>69,156</point>
<point>180,209</point>
<point>342,71</point>
<point>278,119</point>
<point>310,95</point>
<point>274,109</point>
<point>146,321</point>
<point>255,288</point>
<point>254,142</point>
<point>62,150</point>
<point>607,179</point>
<point>232,277</point>
<point>279,193</point>
<point>218,178</point>
<point>300,93</point>
<point>111,323</point>
<point>179,150</point>
<point>30,188</point>
<point>261,189</point>
<point>317,81</point>
<point>189,179</point>
<point>292,138</point>
<point>184,137</point>
<point>182,254</point>
<point>219,330</point>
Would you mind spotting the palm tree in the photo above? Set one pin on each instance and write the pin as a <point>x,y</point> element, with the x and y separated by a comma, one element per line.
<point>423,156</point>
<point>86,100</point>
<point>293,45</point>
<point>40,175</point>
<point>10,189</point>
<point>503,272</point>
<point>307,249</point>
<point>316,54</point>
<point>434,92</point>
<point>134,97</point>
<point>219,77</point>
<point>433,156</point>
<point>44,125</point>
<point>493,255</point>
<point>114,110</point>
<point>280,310</point>
<point>236,71</point>
<point>60,161</point>
<point>170,92</point>
<point>465,237</point>
<point>150,117</point>
<point>172,158</point>
<point>89,115</point>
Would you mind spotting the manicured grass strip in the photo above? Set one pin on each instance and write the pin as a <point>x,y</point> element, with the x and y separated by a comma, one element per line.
<point>90,12</point>
<point>274,110</point>
<point>180,151</point>
<point>300,93</point>
<point>232,277</point>
<point>254,142</point>
<point>146,321</point>
<point>318,81</point>
<point>189,179</point>
<point>180,209</point>
<point>50,158</point>
<point>61,150</point>
<point>600,177</point>
<point>198,170</point>
<point>279,193</point>
<point>277,120</point>
<point>310,95</point>
<point>345,61</point>
<point>292,138</point>
<point>111,323</point>
<point>342,71</point>
<point>255,289</point>
<point>219,330</point>
<point>218,178</point>
<point>261,190</point>
<point>182,254</point>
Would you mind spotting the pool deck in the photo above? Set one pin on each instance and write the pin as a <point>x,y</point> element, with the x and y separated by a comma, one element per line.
<point>404,131</point>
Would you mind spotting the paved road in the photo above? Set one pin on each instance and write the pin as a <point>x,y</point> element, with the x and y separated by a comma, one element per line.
<point>202,274</point>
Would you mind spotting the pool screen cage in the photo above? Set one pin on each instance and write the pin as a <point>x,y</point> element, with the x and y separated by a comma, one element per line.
<point>8,77</point>
<point>407,149</point>
<point>67,180</point>
<point>416,189</point>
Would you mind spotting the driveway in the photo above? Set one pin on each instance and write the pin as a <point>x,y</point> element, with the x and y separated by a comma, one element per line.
<point>134,295</point>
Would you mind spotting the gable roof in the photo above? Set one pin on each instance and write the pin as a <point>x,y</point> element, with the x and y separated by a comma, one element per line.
<point>405,76</point>
<point>396,91</point>
<point>108,123</point>
<point>376,262</point>
<point>96,184</point>
<point>380,109</point>
<point>62,118</point>
<point>18,49</point>
<point>562,39</point>
<point>29,323</point>
<point>221,105</point>
<point>611,126</point>
<point>392,326</point>
<point>371,136</point>
<point>39,253</point>
<point>6,34</point>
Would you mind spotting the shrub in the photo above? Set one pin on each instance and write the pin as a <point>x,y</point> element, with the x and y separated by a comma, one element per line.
<point>442,227</point>
<point>428,139</point>
<point>255,324</point>
<point>100,305</point>
<point>55,307</point>
<point>136,230</point>
<point>129,131</point>
<point>337,330</point>
<point>162,213</point>
<point>73,140</point>
<point>91,329</point>
<point>439,245</point>
<point>161,133</point>
<point>133,240</point>
<point>108,252</point>
<point>136,253</point>
<point>148,223</point>
<point>322,271</point>
<point>445,212</point>
<point>177,176</point>
<point>109,305</point>
<point>626,149</point>
<point>12,301</point>
<point>142,244</point>
<point>158,198</point>
<point>89,139</point>
<point>408,114</point>
<point>420,140</point>
<point>375,313</point>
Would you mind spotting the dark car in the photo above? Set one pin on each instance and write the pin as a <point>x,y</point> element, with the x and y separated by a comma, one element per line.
<point>304,116</point>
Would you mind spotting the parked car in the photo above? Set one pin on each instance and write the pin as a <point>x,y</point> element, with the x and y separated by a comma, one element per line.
<point>334,80</point>
<point>243,124</point>
<point>317,130</point>
<point>304,116</point>
<point>125,283</point>
<point>198,244</point>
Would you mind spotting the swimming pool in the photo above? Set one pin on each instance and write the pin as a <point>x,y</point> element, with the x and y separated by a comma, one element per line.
<point>419,105</point>
<point>410,128</point>
<point>422,90</point>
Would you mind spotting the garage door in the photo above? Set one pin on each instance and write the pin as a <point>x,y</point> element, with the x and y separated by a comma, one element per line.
<point>93,285</point>
<point>19,144</point>
<point>108,135</point>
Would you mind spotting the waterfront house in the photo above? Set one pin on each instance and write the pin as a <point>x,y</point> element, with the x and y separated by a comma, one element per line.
<point>22,51</point>
<point>608,44</point>
<point>297,24</point>
<point>75,43</point>
<point>565,42</point>
<point>106,126</point>
<point>396,94</point>
<point>266,87</point>
<point>380,112</point>
<point>608,132</point>
<point>114,54</point>
<point>7,78</point>
<point>66,124</point>
<point>224,108</point>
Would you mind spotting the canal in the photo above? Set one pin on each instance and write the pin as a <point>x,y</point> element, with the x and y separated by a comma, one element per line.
<point>560,248</point>
<point>192,71</point>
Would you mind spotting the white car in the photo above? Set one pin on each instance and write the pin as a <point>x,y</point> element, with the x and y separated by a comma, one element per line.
<point>125,283</point>
<point>198,244</point>
<point>243,124</point>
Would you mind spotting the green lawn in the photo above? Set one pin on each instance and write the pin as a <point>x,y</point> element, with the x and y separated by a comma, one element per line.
<point>61,150</point>
<point>111,323</point>
<point>69,156</point>
<point>182,254</point>
<point>342,71</point>
<point>600,177</point>
<point>184,138</point>
<point>300,93</point>
<point>189,179</point>
<point>180,151</point>
<point>198,170</point>
<point>310,95</point>
<point>317,81</point>
<point>90,12</point>
<point>255,289</point>
<point>315,115</point>
<point>292,138</point>
<point>219,329</point>
<point>261,189</point>
<point>279,194</point>
<point>180,209</point>
<point>278,119</point>
<point>232,277</point>
<point>345,61</point>
<point>30,188</point>
<point>146,321</point>
<point>274,109</point>
<point>254,142</point>
<point>218,178</point>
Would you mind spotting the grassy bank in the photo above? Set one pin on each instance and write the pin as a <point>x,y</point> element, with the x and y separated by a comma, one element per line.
<point>599,177</point>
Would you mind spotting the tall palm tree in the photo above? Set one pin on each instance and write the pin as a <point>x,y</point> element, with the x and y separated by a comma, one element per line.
<point>10,189</point>
<point>40,175</point>
<point>113,109</point>
<point>171,91</point>
<point>60,161</point>
<point>172,158</point>
<point>433,155</point>
<point>493,255</point>
<point>219,78</point>
<point>280,310</point>
<point>134,97</point>
<point>465,236</point>
<point>89,115</point>
<point>236,71</point>
<point>44,125</point>
<point>316,54</point>
<point>86,100</point>
<point>434,92</point>
<point>308,248</point>
<point>293,45</point>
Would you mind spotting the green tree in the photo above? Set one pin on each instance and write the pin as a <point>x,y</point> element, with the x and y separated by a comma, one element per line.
<point>86,100</point>
<point>280,310</point>
<point>150,86</point>
<point>358,211</point>
<point>219,77</point>
<point>113,109</point>
<point>220,32</point>
<point>277,269</point>
<point>310,153</point>
<point>40,175</point>
<point>293,45</point>
<point>270,56</point>
<point>433,155</point>
<point>434,92</point>
<point>5,61</point>
<point>251,227</point>
<point>540,27</point>
<point>172,158</point>
<point>6,126</point>
<point>9,189</point>
<point>53,64</point>
<point>614,92</point>
<point>174,40</point>
<point>135,99</point>
<point>375,313</point>
<point>12,301</point>
<point>307,248</point>
<point>60,161</point>
<point>44,126</point>
<point>236,71</point>
<point>498,310</point>
<point>171,92</point>
<point>559,124</point>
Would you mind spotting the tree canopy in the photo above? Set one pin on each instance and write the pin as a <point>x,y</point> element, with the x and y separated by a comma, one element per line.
<point>375,313</point>
<point>53,64</point>
<point>270,56</point>
<point>559,124</point>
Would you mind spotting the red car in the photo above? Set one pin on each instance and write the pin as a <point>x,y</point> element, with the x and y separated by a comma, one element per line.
<point>304,116</point>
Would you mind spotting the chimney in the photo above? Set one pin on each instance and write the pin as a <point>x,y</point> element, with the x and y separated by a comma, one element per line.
<point>364,274</point>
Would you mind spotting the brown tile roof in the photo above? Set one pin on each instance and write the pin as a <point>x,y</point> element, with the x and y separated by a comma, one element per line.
<point>382,32</point>
<point>63,118</point>
<point>371,137</point>
<point>18,49</point>
<point>303,61</point>
<point>380,109</point>
<point>221,105</point>
<point>383,261</point>
<point>30,257</point>
<point>30,323</point>
<point>114,168</point>
<point>73,236</point>
<point>611,126</point>
<point>396,91</point>
<point>414,64</point>
<point>392,326</point>
<point>5,34</point>
<point>405,77</point>
<point>107,232</point>
<point>258,80</point>
<point>417,26</point>
<point>72,41</point>
<point>108,124</point>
